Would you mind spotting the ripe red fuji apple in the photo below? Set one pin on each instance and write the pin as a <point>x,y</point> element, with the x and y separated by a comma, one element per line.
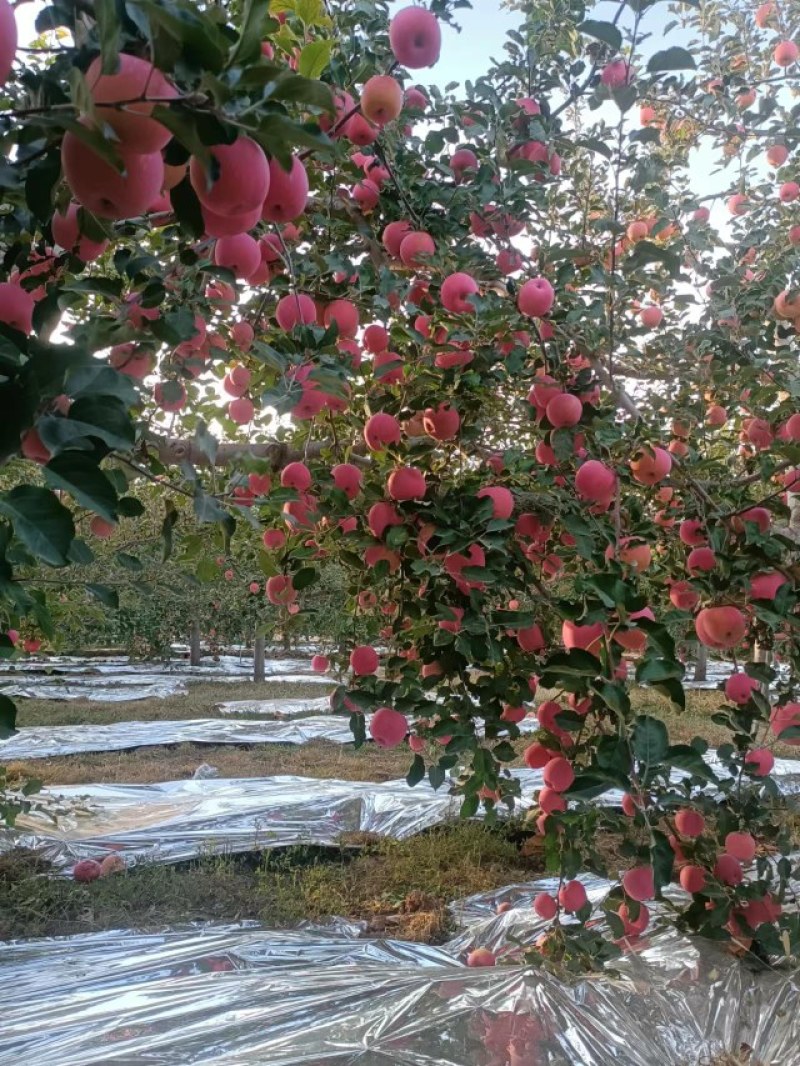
<point>741,846</point>
<point>67,235</point>
<point>415,38</point>
<point>783,718</point>
<point>381,99</point>
<point>295,309</point>
<point>406,483</point>
<point>651,466</point>
<point>689,823</point>
<point>288,192</point>
<point>456,291</point>
<point>572,896</point>
<point>8,40</point>
<point>481,957</point>
<point>86,870</point>
<point>785,53</point>
<point>388,727</point>
<point>16,307</point>
<point>381,429</point>
<point>280,590</point>
<point>502,500</point>
<point>536,297</point>
<point>240,253</point>
<point>104,190</point>
<point>728,869</point>
<point>241,410</point>
<point>720,627</point>
<point>296,476</point>
<point>759,762</point>
<point>242,178</point>
<point>364,660</point>
<point>638,883</point>
<point>415,247</point>
<point>739,688</point>
<point>137,80</point>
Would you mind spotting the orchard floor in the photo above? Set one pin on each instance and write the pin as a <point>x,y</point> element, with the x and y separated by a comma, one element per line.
<point>397,888</point>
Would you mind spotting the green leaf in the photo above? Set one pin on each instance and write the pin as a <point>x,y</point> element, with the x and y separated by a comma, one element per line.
<point>130,562</point>
<point>8,717</point>
<point>187,208</point>
<point>108,30</point>
<point>305,577</point>
<point>614,696</point>
<point>206,442</point>
<point>184,125</point>
<point>588,785</point>
<point>685,757</point>
<point>98,379</point>
<point>469,806</point>
<point>108,597</point>
<point>310,12</point>
<point>416,771</point>
<point>78,474</point>
<point>43,524</point>
<point>248,48</point>
<point>167,526</point>
<point>650,740</point>
<point>104,418</point>
<point>314,58</point>
<point>662,857</point>
<point>602,31</point>
<point>40,179</point>
<point>436,776</point>
<point>654,670</point>
<point>197,35</point>
<point>671,59</point>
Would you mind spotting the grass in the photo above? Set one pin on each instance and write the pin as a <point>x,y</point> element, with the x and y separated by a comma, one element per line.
<point>398,888</point>
<point>318,758</point>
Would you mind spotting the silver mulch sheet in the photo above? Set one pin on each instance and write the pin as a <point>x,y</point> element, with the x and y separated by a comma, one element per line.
<point>276,708</point>
<point>179,820</point>
<point>235,995</point>
<point>40,742</point>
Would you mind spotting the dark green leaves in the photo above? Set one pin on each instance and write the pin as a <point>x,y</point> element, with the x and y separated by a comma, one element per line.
<point>78,474</point>
<point>43,525</point>
<point>671,59</point>
<point>103,418</point>
<point>247,49</point>
<point>108,26</point>
<point>602,31</point>
<point>8,717</point>
<point>650,740</point>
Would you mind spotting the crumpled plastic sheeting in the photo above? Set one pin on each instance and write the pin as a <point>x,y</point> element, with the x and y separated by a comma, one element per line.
<point>97,689</point>
<point>122,664</point>
<point>276,708</point>
<point>44,741</point>
<point>40,742</point>
<point>235,995</point>
<point>179,820</point>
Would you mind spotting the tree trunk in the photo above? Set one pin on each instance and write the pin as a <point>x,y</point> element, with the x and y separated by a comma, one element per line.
<point>194,644</point>
<point>259,668</point>
<point>701,664</point>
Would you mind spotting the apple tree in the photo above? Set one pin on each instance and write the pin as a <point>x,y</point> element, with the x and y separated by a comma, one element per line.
<point>519,357</point>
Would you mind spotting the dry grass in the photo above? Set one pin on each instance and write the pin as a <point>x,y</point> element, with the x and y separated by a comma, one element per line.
<point>397,887</point>
<point>318,758</point>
